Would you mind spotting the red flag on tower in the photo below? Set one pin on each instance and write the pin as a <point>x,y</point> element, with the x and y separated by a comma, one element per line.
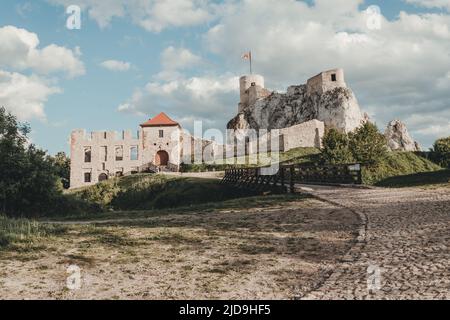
<point>248,56</point>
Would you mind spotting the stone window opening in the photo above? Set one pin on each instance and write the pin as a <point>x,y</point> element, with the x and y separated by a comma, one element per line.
<point>102,177</point>
<point>119,153</point>
<point>87,154</point>
<point>161,133</point>
<point>87,177</point>
<point>104,135</point>
<point>333,77</point>
<point>134,154</point>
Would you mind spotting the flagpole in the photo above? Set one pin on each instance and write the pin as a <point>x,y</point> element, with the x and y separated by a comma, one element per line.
<point>251,63</point>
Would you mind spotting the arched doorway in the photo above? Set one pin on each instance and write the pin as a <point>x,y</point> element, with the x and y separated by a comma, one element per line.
<point>102,177</point>
<point>162,158</point>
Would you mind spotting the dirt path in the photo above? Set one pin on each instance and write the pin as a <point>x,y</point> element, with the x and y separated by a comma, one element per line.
<point>406,252</point>
<point>281,251</point>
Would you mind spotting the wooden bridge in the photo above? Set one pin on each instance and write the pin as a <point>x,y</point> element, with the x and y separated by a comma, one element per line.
<point>287,176</point>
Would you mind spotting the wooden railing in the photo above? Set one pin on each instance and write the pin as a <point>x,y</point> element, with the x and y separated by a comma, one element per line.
<point>287,176</point>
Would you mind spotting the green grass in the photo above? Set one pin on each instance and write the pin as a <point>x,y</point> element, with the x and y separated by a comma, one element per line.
<point>297,155</point>
<point>24,231</point>
<point>228,205</point>
<point>155,191</point>
<point>434,178</point>
<point>398,164</point>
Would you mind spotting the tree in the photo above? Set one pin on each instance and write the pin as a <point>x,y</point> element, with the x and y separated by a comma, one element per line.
<point>367,145</point>
<point>28,180</point>
<point>336,147</point>
<point>62,166</point>
<point>441,152</point>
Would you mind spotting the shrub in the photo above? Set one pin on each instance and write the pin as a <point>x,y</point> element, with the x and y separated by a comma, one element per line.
<point>441,152</point>
<point>336,148</point>
<point>101,194</point>
<point>367,145</point>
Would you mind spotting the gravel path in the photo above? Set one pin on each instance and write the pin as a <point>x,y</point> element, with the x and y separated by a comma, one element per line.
<point>404,253</point>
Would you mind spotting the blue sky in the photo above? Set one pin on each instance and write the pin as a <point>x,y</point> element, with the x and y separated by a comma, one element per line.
<point>184,58</point>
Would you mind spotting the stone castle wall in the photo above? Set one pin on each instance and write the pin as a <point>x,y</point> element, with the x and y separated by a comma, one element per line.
<point>307,134</point>
<point>101,162</point>
<point>326,81</point>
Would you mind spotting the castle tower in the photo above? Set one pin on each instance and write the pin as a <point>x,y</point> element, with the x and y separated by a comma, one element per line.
<point>251,89</point>
<point>326,81</point>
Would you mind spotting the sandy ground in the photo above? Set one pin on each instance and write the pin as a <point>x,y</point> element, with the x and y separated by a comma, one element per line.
<point>282,251</point>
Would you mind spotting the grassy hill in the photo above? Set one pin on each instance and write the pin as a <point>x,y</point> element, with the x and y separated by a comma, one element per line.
<point>398,164</point>
<point>155,191</point>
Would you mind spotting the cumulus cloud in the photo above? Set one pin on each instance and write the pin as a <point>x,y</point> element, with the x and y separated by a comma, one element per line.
<point>174,61</point>
<point>25,96</point>
<point>152,15</point>
<point>24,78</point>
<point>178,58</point>
<point>116,65</point>
<point>204,98</point>
<point>19,50</point>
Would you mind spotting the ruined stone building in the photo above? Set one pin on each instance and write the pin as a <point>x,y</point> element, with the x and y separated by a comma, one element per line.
<point>100,155</point>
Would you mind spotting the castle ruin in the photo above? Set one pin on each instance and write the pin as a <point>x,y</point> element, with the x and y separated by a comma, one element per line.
<point>265,120</point>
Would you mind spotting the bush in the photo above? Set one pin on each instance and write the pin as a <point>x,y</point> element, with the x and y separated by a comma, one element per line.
<point>367,145</point>
<point>336,148</point>
<point>100,194</point>
<point>441,152</point>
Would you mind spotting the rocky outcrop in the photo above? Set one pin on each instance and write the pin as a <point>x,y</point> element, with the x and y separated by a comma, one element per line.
<point>398,138</point>
<point>337,108</point>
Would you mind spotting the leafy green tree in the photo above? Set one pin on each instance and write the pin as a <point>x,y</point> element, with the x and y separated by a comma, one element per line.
<point>441,152</point>
<point>367,145</point>
<point>336,148</point>
<point>62,166</point>
<point>28,180</point>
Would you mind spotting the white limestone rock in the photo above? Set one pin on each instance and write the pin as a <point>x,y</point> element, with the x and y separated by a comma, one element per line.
<point>337,108</point>
<point>398,138</point>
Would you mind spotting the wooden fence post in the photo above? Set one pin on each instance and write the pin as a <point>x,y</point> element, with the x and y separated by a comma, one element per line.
<point>291,177</point>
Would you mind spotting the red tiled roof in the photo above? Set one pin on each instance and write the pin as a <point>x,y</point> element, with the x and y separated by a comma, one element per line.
<point>161,119</point>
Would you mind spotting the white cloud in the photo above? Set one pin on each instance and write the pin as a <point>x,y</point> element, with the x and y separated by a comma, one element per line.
<point>152,15</point>
<point>25,96</point>
<point>115,65</point>
<point>204,98</point>
<point>19,50</point>
<point>178,58</point>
